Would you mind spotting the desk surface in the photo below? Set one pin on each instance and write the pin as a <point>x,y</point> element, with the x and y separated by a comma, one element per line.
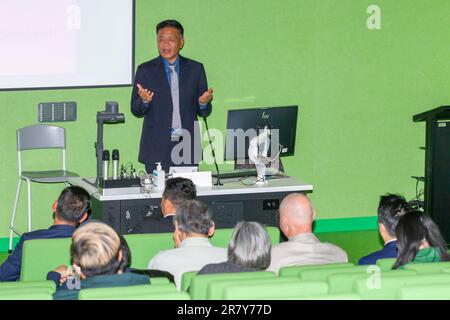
<point>231,186</point>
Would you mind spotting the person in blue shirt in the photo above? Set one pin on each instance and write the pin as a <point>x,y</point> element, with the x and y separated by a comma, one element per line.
<point>391,207</point>
<point>69,210</point>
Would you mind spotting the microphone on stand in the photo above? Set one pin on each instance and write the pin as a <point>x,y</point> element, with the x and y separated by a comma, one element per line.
<point>115,161</point>
<point>218,183</point>
<point>105,159</point>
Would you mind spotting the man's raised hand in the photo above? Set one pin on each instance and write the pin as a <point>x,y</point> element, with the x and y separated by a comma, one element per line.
<point>206,97</point>
<point>145,94</point>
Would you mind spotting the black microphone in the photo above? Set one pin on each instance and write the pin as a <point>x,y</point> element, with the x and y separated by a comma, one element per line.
<point>218,183</point>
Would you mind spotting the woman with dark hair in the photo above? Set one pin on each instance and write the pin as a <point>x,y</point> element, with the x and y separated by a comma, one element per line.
<point>419,240</point>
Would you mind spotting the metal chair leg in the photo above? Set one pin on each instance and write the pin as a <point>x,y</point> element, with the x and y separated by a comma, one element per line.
<point>29,204</point>
<point>13,218</point>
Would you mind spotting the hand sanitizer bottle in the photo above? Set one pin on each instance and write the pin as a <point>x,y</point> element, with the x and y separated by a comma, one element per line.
<point>159,177</point>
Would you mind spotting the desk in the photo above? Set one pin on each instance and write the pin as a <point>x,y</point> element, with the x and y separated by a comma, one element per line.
<point>230,203</point>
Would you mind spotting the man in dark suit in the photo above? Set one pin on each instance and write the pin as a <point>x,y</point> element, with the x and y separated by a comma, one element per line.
<point>70,209</point>
<point>390,209</point>
<point>177,191</point>
<point>169,92</point>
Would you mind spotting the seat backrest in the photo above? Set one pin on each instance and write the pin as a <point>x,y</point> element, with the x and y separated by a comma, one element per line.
<point>275,291</point>
<point>216,288</point>
<point>344,296</point>
<point>342,283</point>
<point>13,285</point>
<point>145,246</point>
<point>26,294</point>
<point>186,279</point>
<point>428,267</point>
<point>294,270</point>
<point>41,137</point>
<point>322,274</point>
<point>159,281</point>
<point>39,256</point>
<point>114,293</point>
<point>172,295</point>
<point>425,292</point>
<point>391,282</point>
<point>222,237</point>
<point>386,264</point>
<point>199,283</point>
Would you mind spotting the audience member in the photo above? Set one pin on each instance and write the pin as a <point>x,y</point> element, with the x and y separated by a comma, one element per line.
<point>69,210</point>
<point>98,261</point>
<point>303,247</point>
<point>390,208</point>
<point>193,250</point>
<point>177,191</point>
<point>249,250</point>
<point>419,240</point>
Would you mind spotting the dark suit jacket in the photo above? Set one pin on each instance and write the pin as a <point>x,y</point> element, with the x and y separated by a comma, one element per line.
<point>389,251</point>
<point>10,269</point>
<point>156,223</point>
<point>155,143</point>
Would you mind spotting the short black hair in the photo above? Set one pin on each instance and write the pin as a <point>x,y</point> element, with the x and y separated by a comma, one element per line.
<point>170,23</point>
<point>178,190</point>
<point>73,203</point>
<point>390,209</point>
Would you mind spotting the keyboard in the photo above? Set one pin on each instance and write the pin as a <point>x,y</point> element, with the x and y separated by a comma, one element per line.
<point>243,173</point>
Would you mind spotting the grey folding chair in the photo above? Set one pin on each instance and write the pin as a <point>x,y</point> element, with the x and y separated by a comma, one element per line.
<point>38,137</point>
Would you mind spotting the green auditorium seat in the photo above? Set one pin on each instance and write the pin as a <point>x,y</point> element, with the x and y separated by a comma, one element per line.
<point>159,280</point>
<point>391,283</point>
<point>342,283</point>
<point>321,274</point>
<point>435,267</point>
<point>148,296</point>
<point>146,245</point>
<point>199,283</point>
<point>119,293</point>
<point>344,296</point>
<point>216,288</point>
<point>386,264</point>
<point>28,294</point>
<point>43,255</point>
<point>186,279</point>
<point>275,291</point>
<point>294,270</point>
<point>222,237</point>
<point>425,292</point>
<point>50,285</point>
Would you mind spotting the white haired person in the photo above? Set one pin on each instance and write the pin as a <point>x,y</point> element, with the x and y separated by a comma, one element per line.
<point>248,250</point>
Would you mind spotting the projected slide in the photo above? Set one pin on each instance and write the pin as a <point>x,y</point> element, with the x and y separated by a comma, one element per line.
<point>65,43</point>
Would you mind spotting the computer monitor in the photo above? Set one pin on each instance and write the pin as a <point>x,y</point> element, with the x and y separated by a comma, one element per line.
<point>244,124</point>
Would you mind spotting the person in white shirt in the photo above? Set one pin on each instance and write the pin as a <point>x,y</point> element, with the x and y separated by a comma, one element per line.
<point>193,250</point>
<point>296,219</point>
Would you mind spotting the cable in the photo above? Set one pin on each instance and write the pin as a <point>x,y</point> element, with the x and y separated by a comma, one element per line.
<point>250,184</point>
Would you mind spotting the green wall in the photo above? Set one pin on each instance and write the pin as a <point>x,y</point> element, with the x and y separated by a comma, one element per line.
<point>357,90</point>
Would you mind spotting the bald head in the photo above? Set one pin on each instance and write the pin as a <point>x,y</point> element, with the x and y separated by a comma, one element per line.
<point>296,215</point>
